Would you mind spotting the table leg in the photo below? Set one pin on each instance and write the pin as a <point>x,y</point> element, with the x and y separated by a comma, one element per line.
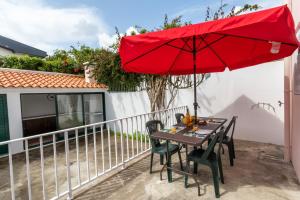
<point>169,163</point>
<point>187,168</point>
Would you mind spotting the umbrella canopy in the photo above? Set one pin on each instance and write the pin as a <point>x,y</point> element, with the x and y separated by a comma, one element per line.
<point>213,46</point>
<point>234,43</point>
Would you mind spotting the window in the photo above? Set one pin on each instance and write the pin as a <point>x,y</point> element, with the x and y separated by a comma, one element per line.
<point>38,113</point>
<point>69,110</point>
<point>42,113</point>
<point>93,108</point>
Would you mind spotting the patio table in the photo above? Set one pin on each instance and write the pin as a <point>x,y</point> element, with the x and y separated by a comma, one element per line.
<point>212,125</point>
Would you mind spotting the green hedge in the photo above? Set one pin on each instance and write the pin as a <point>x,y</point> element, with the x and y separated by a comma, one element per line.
<point>67,65</point>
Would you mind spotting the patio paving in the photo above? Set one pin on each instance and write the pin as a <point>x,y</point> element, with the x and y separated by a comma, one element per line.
<point>259,173</point>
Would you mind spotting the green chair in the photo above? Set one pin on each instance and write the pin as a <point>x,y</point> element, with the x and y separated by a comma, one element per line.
<point>211,159</point>
<point>158,147</point>
<point>178,117</point>
<point>228,139</point>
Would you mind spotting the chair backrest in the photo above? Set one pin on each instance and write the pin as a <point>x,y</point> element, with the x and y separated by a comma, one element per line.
<point>211,146</point>
<point>179,117</point>
<point>153,126</point>
<point>230,128</point>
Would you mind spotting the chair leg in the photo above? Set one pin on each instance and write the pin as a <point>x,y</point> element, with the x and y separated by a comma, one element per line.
<point>214,169</point>
<point>233,149</point>
<point>195,168</point>
<point>180,160</point>
<point>220,169</point>
<point>161,159</point>
<point>186,177</point>
<point>230,152</point>
<point>151,161</point>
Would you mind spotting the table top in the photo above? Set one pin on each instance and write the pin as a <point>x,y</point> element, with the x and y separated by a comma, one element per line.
<point>213,124</point>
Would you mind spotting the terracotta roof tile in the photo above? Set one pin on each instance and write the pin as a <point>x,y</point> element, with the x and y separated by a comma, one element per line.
<point>33,79</point>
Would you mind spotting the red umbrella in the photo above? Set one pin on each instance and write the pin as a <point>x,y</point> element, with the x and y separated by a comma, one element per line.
<point>213,46</point>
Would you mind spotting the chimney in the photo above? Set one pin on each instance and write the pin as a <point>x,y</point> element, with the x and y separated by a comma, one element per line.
<point>89,72</point>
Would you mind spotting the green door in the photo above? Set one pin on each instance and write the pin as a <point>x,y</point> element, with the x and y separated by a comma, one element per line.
<point>4,130</point>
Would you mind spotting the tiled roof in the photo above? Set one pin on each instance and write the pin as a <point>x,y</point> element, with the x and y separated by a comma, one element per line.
<point>32,79</point>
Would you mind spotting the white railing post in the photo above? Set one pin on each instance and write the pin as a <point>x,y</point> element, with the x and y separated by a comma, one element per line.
<point>132,134</point>
<point>122,145</point>
<point>137,135</point>
<point>141,133</point>
<point>42,166</point>
<point>28,170</point>
<point>102,149</point>
<point>11,173</point>
<point>68,165</point>
<point>149,142</point>
<point>77,157</point>
<point>87,154</point>
<point>116,143</point>
<point>145,132</point>
<point>95,151</point>
<point>127,145</point>
<point>109,150</point>
<point>55,165</point>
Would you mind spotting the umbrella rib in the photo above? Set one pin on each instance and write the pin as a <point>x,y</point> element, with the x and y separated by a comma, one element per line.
<point>179,48</point>
<point>200,41</point>
<point>185,43</point>
<point>217,40</point>
<point>145,53</point>
<point>213,50</point>
<point>258,39</point>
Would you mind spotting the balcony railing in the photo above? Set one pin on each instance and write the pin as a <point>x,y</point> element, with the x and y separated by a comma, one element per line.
<point>87,152</point>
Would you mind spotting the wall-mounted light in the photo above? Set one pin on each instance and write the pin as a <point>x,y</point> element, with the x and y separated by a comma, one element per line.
<point>50,97</point>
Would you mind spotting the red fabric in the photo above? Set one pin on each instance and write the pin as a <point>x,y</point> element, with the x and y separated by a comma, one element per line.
<point>234,42</point>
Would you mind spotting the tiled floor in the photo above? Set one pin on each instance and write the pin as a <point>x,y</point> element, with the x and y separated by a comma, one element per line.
<point>258,173</point>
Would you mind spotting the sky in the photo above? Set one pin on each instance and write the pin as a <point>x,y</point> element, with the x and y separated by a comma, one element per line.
<point>59,24</point>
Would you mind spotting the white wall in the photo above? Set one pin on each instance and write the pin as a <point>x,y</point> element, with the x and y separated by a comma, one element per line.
<point>15,120</point>
<point>122,104</point>
<point>237,93</point>
<point>5,52</point>
<point>293,64</point>
<point>224,95</point>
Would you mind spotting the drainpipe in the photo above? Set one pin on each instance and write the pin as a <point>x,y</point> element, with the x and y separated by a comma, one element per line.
<point>288,104</point>
<point>287,109</point>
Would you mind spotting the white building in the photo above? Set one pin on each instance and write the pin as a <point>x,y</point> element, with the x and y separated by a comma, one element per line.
<point>12,47</point>
<point>34,102</point>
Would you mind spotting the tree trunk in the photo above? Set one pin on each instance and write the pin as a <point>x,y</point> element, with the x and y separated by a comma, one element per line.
<point>156,92</point>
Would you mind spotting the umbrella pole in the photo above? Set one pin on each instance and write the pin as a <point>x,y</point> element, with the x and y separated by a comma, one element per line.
<point>195,81</point>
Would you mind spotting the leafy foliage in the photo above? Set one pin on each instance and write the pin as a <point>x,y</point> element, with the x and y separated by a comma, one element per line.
<point>108,70</point>
<point>61,61</point>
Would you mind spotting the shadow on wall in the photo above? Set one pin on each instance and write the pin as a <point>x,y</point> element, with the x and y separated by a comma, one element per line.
<point>254,123</point>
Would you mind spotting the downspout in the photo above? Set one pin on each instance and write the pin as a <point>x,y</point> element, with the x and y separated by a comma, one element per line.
<point>287,109</point>
<point>288,104</point>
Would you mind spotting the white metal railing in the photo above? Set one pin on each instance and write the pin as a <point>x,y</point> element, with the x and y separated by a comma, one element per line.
<point>107,146</point>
